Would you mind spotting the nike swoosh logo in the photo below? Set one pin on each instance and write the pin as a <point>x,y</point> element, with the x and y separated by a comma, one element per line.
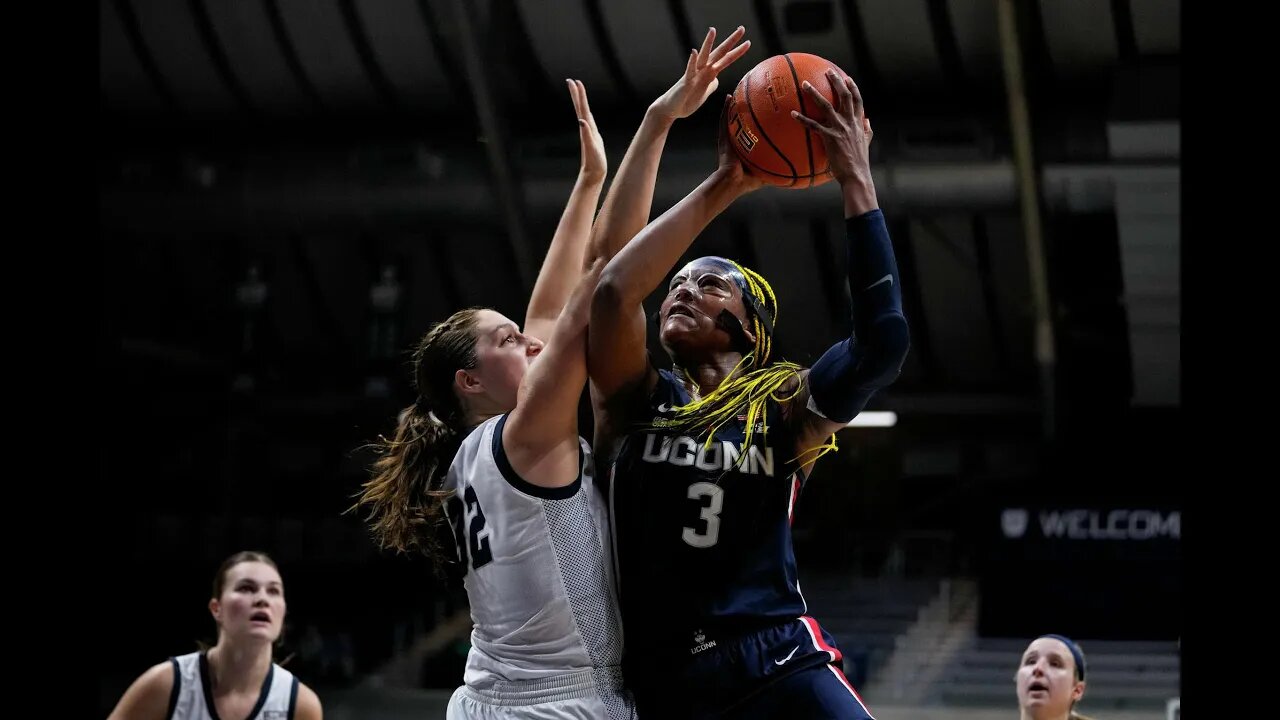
<point>788,657</point>
<point>888,277</point>
<point>664,408</point>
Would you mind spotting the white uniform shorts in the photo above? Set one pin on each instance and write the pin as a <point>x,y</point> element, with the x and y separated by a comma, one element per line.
<point>566,697</point>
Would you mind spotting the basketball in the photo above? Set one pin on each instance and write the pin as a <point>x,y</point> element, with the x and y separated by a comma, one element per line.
<point>773,145</point>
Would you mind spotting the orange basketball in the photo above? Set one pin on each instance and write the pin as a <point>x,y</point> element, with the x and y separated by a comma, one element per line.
<point>772,144</point>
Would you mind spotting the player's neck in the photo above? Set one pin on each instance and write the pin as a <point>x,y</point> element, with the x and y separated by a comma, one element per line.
<point>702,378</point>
<point>473,419</point>
<point>238,667</point>
<point>478,409</point>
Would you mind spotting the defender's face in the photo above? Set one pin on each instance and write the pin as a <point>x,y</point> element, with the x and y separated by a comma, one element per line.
<point>1046,679</point>
<point>252,603</point>
<point>503,356</point>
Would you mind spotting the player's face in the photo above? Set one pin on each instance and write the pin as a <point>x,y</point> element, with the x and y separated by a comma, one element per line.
<point>503,356</point>
<point>252,603</point>
<point>696,295</point>
<point>1046,679</point>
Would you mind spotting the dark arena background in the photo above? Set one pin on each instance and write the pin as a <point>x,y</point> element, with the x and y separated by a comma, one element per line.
<point>292,191</point>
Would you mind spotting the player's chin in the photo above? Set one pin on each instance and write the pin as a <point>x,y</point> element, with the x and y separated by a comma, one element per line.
<point>677,326</point>
<point>262,633</point>
<point>676,333</point>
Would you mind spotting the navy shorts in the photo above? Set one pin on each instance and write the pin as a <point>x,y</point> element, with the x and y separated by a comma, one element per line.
<point>788,670</point>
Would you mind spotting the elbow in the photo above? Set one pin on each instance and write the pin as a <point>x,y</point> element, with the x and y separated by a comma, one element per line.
<point>891,342</point>
<point>591,272</point>
<point>609,297</point>
<point>897,339</point>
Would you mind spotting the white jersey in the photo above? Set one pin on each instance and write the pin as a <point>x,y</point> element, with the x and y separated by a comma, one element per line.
<point>537,576</point>
<point>192,696</point>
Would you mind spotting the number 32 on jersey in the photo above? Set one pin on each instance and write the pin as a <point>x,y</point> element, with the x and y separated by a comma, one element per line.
<point>469,531</point>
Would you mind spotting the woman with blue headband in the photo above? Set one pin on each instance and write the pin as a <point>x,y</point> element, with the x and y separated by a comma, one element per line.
<point>709,458</point>
<point>1050,679</point>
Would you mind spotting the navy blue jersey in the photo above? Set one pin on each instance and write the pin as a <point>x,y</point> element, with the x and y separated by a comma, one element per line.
<point>703,534</point>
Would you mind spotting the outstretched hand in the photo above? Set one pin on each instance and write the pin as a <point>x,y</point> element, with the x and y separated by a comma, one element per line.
<point>700,74</point>
<point>595,165</point>
<point>844,128</point>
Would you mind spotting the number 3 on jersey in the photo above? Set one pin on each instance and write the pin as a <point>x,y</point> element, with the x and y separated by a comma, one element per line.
<point>480,553</point>
<point>710,514</point>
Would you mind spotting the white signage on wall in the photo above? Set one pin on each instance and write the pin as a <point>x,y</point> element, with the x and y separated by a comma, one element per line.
<point>1078,524</point>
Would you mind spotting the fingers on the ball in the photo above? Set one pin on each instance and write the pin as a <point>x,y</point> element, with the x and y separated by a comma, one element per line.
<point>808,121</point>
<point>816,96</point>
<point>839,90</point>
<point>854,93</point>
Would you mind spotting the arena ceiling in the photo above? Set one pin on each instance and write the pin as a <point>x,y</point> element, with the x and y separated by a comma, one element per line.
<point>323,140</point>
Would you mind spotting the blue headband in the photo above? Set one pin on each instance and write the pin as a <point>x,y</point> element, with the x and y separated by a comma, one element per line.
<point>754,304</point>
<point>1075,652</point>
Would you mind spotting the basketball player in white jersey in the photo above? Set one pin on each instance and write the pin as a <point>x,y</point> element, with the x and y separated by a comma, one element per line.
<point>235,678</point>
<point>491,446</point>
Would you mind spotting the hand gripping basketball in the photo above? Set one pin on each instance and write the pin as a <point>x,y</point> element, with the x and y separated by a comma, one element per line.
<point>843,126</point>
<point>767,138</point>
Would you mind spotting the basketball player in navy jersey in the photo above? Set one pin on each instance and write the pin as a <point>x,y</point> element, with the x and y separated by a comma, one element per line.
<point>708,459</point>
<point>235,678</point>
<point>492,445</point>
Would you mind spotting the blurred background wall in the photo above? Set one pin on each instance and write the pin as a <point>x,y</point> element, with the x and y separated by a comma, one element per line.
<point>291,191</point>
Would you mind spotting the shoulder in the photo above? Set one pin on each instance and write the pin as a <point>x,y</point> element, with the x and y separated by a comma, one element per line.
<point>793,394</point>
<point>161,672</point>
<point>484,431</point>
<point>473,442</point>
<point>160,676</point>
<point>308,706</point>
<point>797,381</point>
<point>148,696</point>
